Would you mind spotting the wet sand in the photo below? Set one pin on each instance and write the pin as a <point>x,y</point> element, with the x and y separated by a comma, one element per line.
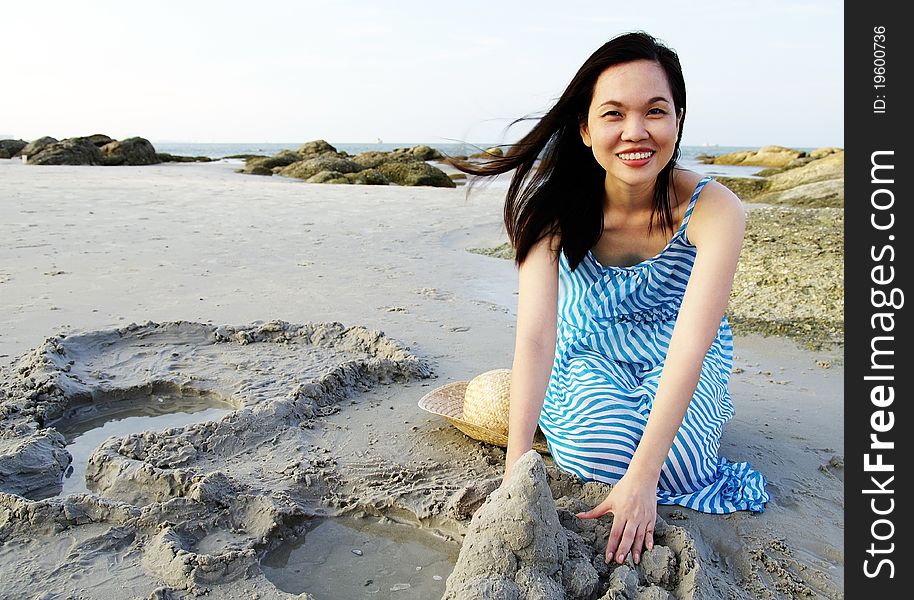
<point>226,271</point>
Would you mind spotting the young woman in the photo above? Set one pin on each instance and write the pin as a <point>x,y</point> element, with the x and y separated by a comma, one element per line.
<point>623,353</point>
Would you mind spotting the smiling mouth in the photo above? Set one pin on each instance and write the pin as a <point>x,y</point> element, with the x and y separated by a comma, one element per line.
<point>635,155</point>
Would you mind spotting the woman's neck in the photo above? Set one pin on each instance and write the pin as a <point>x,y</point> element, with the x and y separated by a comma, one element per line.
<point>628,199</point>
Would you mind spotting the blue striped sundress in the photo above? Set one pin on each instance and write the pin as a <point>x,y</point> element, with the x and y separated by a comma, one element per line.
<point>613,332</point>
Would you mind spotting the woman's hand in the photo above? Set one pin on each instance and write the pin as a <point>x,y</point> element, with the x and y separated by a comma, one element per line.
<point>633,503</point>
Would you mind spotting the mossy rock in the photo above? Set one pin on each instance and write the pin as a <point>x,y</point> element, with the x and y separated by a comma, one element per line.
<point>96,139</point>
<point>416,173</point>
<point>74,151</point>
<point>373,159</point>
<point>327,177</point>
<point>316,147</point>
<point>129,152</point>
<point>368,177</point>
<point>280,159</point>
<point>744,187</point>
<point>305,169</point>
<point>493,152</point>
<point>256,171</point>
<point>10,148</point>
<point>423,152</point>
<point>166,157</point>
<point>36,146</point>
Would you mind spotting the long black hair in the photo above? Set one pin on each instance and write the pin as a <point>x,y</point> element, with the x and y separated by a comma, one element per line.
<point>564,194</point>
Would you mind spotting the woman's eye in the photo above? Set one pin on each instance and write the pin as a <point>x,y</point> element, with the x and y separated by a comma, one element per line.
<point>612,113</point>
<point>656,111</point>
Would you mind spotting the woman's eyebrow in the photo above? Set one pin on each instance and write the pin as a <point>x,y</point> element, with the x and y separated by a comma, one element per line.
<point>651,101</point>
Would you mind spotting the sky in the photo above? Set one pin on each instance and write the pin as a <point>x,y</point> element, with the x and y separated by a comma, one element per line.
<point>756,73</point>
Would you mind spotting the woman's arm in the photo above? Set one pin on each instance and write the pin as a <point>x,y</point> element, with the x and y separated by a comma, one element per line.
<point>534,347</point>
<point>716,229</point>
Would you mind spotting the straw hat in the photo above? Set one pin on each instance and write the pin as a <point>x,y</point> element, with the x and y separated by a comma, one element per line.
<point>479,408</point>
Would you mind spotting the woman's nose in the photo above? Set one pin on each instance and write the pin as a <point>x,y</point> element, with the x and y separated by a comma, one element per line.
<point>634,130</point>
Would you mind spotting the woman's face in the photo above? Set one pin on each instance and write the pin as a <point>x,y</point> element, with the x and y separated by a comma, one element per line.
<point>632,124</point>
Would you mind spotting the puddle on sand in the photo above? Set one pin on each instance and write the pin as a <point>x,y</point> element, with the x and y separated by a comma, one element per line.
<point>361,558</point>
<point>86,427</point>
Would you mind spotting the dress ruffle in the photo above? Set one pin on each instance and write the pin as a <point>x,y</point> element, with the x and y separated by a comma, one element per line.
<point>743,486</point>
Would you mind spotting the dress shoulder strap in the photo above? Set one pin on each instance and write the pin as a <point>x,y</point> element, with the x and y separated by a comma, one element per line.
<point>688,215</point>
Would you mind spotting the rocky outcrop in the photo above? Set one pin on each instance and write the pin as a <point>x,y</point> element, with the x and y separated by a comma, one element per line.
<point>415,173</point>
<point>10,148</point>
<point>319,162</point>
<point>166,157</point>
<point>305,169</point>
<point>72,151</point>
<point>35,146</point>
<point>99,149</point>
<point>767,156</point>
<point>813,181</point>
<point>97,139</point>
<point>495,151</point>
<point>131,151</point>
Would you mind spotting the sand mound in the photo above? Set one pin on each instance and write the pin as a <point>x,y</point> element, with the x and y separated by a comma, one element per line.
<point>525,544</point>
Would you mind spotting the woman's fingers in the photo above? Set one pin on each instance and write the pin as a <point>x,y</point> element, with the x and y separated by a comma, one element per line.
<point>638,544</point>
<point>615,536</point>
<point>597,511</point>
<point>625,544</point>
<point>649,536</point>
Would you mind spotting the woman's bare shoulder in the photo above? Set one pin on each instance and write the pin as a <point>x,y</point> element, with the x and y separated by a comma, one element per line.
<point>717,210</point>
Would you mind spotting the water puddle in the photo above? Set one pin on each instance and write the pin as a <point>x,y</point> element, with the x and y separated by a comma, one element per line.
<point>86,427</point>
<point>362,558</point>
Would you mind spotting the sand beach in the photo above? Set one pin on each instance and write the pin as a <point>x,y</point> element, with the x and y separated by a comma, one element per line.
<point>313,317</point>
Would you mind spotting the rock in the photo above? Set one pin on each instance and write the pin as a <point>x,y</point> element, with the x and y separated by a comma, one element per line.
<point>328,177</point>
<point>283,158</point>
<point>373,159</point>
<point>745,187</point>
<point>97,139</point>
<point>72,151</point>
<point>489,153</point>
<point>166,157</point>
<point>130,151</point>
<point>305,169</point>
<point>422,152</point>
<point>316,147</point>
<point>819,183</point>
<point>35,146</point>
<point>767,156</point>
<point>10,148</point>
<point>415,173</point>
<point>367,177</point>
<point>257,171</point>
<point>516,541</point>
<point>823,152</point>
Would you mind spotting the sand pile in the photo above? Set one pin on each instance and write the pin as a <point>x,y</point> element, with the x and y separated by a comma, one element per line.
<point>525,544</point>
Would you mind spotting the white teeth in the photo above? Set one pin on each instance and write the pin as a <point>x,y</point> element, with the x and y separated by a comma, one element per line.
<point>636,156</point>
